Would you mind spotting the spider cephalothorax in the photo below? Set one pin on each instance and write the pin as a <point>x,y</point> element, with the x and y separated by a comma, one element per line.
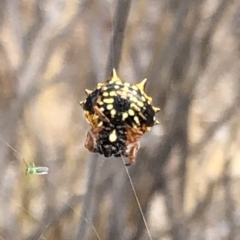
<point>119,114</point>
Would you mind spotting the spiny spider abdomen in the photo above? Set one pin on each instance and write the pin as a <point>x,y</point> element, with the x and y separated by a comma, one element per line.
<point>119,114</point>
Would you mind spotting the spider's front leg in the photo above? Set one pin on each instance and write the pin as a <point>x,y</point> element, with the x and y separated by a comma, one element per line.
<point>91,139</point>
<point>90,142</point>
<point>101,114</point>
<point>131,152</point>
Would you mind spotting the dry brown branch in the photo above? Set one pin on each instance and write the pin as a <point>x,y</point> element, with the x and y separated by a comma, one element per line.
<point>116,44</point>
<point>91,197</point>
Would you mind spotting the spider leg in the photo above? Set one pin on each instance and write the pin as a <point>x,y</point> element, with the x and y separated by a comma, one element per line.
<point>101,114</point>
<point>131,152</point>
<point>90,142</point>
<point>140,114</point>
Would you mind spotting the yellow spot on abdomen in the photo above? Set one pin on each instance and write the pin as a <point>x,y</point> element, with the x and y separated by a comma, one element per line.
<point>133,99</point>
<point>134,87</point>
<point>140,104</point>
<point>113,136</point>
<point>124,116</point>
<point>125,89</point>
<point>126,84</point>
<point>131,112</point>
<point>113,112</point>
<point>113,93</point>
<point>136,120</point>
<point>105,94</point>
<point>108,100</point>
<point>134,92</point>
<point>109,106</point>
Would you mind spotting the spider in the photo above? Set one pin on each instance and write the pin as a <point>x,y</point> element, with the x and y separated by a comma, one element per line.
<point>119,114</point>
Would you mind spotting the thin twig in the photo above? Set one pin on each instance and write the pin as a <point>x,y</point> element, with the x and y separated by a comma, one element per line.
<point>120,22</point>
<point>115,49</point>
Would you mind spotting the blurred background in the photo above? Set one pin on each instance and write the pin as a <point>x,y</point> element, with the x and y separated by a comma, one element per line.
<point>187,173</point>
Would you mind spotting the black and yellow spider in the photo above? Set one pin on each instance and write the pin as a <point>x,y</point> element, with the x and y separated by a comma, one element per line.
<point>119,114</point>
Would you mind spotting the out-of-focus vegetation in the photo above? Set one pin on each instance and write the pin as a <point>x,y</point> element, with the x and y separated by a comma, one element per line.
<point>187,171</point>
